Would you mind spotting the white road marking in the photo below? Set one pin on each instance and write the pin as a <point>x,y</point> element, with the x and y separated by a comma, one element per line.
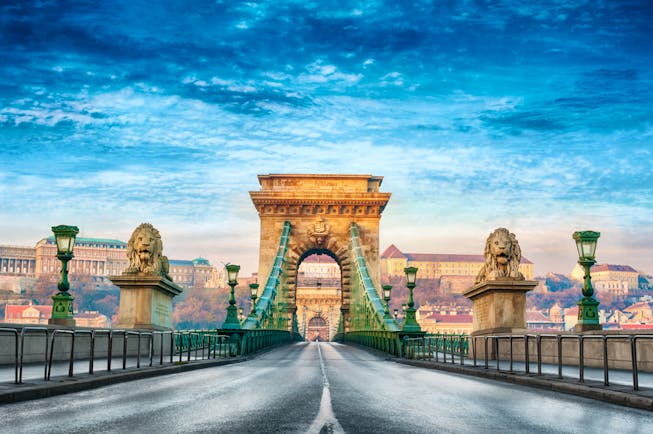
<point>325,416</point>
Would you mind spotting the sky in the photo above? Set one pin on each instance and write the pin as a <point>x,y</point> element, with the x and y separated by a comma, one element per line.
<point>478,114</point>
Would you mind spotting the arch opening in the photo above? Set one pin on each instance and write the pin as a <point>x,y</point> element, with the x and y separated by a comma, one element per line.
<point>318,295</point>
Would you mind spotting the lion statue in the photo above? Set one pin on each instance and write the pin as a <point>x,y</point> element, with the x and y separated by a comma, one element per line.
<point>145,252</point>
<point>502,257</point>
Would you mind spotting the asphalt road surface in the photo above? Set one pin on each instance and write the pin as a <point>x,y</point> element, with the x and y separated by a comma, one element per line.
<point>319,388</point>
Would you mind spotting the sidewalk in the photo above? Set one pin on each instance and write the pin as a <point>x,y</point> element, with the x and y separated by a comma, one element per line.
<point>620,391</point>
<point>34,386</point>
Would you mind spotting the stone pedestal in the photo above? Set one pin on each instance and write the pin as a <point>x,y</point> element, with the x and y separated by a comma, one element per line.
<point>145,301</point>
<point>499,306</point>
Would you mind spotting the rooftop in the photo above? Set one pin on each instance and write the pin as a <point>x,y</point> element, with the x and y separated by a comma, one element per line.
<point>85,241</point>
<point>612,267</point>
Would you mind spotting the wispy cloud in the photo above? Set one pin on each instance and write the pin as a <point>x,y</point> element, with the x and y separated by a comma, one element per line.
<point>478,115</point>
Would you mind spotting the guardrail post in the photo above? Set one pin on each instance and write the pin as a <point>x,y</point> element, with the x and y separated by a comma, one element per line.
<point>606,380</point>
<point>581,359</point>
<point>633,357</point>
<point>526,354</point>
<point>559,342</point>
<point>510,342</point>
<point>91,353</point>
<point>538,342</point>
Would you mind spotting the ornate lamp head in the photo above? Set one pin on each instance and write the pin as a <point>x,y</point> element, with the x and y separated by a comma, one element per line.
<point>586,244</point>
<point>232,273</point>
<point>65,238</point>
<point>411,275</point>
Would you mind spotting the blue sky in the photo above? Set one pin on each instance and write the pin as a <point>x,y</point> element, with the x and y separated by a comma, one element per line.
<point>478,114</point>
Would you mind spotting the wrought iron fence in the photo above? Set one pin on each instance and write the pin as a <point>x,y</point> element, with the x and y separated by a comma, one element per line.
<point>463,349</point>
<point>387,341</point>
<point>54,340</point>
<point>431,345</point>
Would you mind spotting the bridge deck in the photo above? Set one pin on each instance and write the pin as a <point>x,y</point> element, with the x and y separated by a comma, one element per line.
<point>306,387</point>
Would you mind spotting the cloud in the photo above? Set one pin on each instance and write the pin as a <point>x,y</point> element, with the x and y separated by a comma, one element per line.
<point>478,115</point>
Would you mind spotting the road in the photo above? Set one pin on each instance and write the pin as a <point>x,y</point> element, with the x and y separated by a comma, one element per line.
<point>319,388</point>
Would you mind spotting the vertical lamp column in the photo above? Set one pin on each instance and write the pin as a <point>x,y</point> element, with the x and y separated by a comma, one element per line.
<point>386,297</point>
<point>588,314</point>
<point>253,291</point>
<point>62,306</point>
<point>410,322</point>
<point>232,311</point>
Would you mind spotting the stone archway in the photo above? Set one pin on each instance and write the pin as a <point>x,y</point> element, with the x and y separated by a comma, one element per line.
<point>320,209</point>
<point>318,329</point>
<point>318,296</point>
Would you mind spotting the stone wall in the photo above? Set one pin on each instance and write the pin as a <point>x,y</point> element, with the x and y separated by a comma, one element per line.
<point>619,349</point>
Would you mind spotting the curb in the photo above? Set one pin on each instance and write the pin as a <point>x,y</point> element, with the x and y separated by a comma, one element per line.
<point>589,389</point>
<point>63,385</point>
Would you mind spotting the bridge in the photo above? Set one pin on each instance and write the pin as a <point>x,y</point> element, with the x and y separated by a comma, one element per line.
<point>333,386</point>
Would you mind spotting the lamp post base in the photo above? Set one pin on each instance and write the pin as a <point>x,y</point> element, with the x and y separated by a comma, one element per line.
<point>410,324</point>
<point>232,318</point>
<point>588,315</point>
<point>62,310</point>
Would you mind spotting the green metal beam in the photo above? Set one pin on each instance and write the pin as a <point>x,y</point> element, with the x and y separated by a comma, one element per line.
<point>267,301</point>
<point>368,309</point>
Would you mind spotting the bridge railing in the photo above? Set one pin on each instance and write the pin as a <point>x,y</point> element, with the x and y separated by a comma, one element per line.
<point>557,355</point>
<point>209,342</point>
<point>46,345</point>
<point>431,345</point>
<point>386,341</point>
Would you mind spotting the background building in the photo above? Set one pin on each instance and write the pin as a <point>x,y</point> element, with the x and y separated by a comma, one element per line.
<point>445,319</point>
<point>40,314</point>
<point>93,257</point>
<point>27,314</point>
<point>318,268</point>
<point>617,279</point>
<point>17,261</point>
<point>198,273</point>
<point>436,265</point>
<point>99,258</point>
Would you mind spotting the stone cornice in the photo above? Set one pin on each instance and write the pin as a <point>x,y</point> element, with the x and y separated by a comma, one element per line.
<point>290,203</point>
<point>298,198</point>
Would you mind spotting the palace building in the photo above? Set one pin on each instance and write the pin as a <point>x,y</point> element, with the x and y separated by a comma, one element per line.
<point>198,273</point>
<point>100,258</point>
<point>16,260</point>
<point>616,279</point>
<point>438,265</point>
<point>92,256</point>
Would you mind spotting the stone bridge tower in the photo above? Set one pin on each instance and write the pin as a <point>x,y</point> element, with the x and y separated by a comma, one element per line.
<point>320,209</point>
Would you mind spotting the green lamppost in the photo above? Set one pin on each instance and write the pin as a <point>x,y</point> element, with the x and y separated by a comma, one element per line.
<point>396,312</point>
<point>410,322</point>
<point>232,311</point>
<point>386,297</point>
<point>253,291</point>
<point>62,306</point>
<point>588,313</point>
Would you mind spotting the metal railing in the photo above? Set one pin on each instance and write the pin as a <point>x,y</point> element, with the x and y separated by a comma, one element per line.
<point>386,341</point>
<point>188,345</point>
<point>53,339</point>
<point>209,341</point>
<point>455,348</point>
<point>430,347</point>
